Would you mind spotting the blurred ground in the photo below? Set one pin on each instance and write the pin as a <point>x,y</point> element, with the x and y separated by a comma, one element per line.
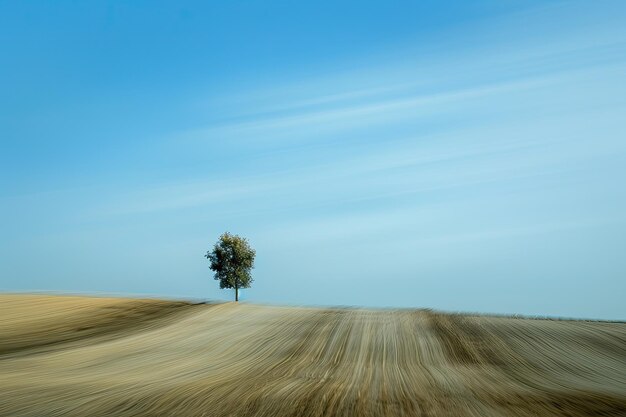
<point>82,356</point>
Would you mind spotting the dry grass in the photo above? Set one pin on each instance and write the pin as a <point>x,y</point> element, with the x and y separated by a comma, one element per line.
<point>35,323</point>
<point>108,357</point>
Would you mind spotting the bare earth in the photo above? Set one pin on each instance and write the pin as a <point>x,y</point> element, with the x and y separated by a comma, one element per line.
<point>82,356</point>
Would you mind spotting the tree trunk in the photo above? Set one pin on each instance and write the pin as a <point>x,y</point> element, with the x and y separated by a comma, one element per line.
<point>236,293</point>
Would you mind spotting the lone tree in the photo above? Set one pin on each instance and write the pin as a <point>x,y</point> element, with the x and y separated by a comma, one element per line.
<point>232,259</point>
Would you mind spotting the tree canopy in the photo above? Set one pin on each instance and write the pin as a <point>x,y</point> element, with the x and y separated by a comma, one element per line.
<point>232,259</point>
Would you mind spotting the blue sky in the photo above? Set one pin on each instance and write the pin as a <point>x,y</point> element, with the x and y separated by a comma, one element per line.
<point>465,156</point>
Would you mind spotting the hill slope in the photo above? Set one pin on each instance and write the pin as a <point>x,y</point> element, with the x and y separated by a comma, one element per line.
<point>164,358</point>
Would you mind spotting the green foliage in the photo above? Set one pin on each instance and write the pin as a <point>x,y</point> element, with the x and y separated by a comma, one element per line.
<point>232,259</point>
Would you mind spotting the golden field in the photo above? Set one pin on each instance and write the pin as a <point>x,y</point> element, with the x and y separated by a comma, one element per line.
<point>89,356</point>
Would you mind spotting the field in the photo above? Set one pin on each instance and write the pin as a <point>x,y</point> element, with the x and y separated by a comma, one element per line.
<point>81,356</point>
